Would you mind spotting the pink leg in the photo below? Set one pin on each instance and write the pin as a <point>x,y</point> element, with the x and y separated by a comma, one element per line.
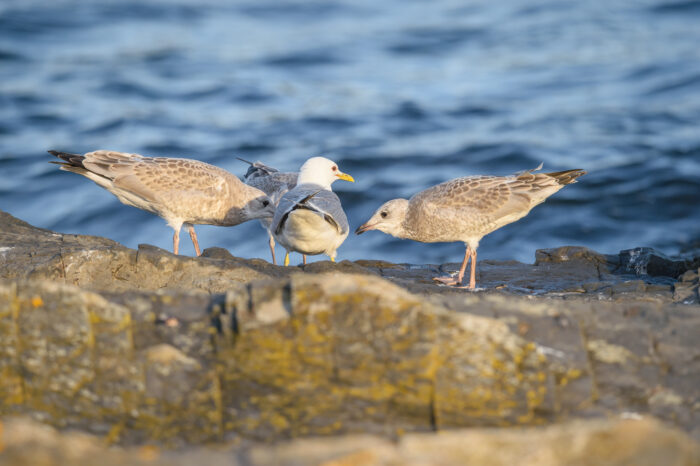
<point>176,241</point>
<point>304,256</point>
<point>460,276</point>
<point>272,249</point>
<point>193,236</point>
<point>472,277</point>
<point>472,271</point>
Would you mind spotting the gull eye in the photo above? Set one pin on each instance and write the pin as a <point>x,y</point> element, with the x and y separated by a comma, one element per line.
<point>383,214</point>
<point>335,169</point>
<point>266,203</point>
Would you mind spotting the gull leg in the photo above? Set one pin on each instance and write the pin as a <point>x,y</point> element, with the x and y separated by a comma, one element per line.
<point>472,271</point>
<point>286,259</point>
<point>272,249</point>
<point>193,237</point>
<point>304,256</point>
<point>332,259</point>
<point>176,241</point>
<point>452,280</point>
<point>472,275</point>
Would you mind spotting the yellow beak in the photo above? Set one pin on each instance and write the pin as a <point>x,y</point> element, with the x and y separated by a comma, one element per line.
<point>345,176</point>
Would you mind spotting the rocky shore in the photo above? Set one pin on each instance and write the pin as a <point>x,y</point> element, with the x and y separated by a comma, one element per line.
<point>159,353</point>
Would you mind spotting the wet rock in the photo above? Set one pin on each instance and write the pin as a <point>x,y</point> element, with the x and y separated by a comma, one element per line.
<point>686,289</point>
<point>101,264</point>
<point>642,441</point>
<point>647,261</point>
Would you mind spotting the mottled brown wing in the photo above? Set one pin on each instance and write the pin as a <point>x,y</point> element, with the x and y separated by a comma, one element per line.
<point>159,179</point>
<point>173,181</point>
<point>483,194</point>
<point>470,204</point>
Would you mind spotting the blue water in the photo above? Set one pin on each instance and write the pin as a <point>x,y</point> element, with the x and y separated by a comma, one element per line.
<point>402,94</point>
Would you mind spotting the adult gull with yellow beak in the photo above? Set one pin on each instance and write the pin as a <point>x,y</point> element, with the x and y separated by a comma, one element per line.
<point>309,218</point>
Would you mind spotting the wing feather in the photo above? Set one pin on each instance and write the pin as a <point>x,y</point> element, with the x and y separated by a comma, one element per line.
<point>477,204</point>
<point>316,199</point>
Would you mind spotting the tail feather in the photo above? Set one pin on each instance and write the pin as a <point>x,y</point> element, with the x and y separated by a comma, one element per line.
<point>257,169</point>
<point>71,160</point>
<point>567,176</point>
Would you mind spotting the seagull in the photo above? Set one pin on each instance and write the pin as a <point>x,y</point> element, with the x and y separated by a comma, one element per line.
<point>273,183</point>
<point>181,191</point>
<point>309,218</point>
<point>467,209</point>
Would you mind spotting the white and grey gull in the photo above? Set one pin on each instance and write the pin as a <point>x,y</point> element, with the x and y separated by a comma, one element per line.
<point>309,218</point>
<point>273,183</point>
<point>181,191</point>
<point>467,209</point>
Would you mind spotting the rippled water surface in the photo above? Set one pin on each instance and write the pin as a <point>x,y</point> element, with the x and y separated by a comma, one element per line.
<point>402,94</point>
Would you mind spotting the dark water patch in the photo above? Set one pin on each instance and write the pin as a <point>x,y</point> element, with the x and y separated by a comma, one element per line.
<point>44,119</point>
<point>648,71</point>
<point>105,126</point>
<point>431,40</point>
<point>660,120</point>
<point>540,8</point>
<point>63,76</point>
<point>410,111</point>
<point>683,153</point>
<point>368,163</point>
<point>149,11</point>
<point>692,7</point>
<point>162,55</point>
<point>198,94</point>
<point>468,111</point>
<point>9,56</point>
<point>6,129</point>
<point>329,122</point>
<point>251,97</point>
<point>409,118</point>
<point>252,149</point>
<point>128,89</point>
<point>22,99</point>
<point>506,158</point>
<point>172,149</point>
<point>295,10</point>
<point>691,82</point>
<point>303,59</point>
<point>37,21</point>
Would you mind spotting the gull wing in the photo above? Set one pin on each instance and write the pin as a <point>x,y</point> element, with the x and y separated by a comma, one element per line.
<point>316,199</point>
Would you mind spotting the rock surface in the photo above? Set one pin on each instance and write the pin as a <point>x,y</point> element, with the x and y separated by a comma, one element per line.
<point>614,442</point>
<point>143,347</point>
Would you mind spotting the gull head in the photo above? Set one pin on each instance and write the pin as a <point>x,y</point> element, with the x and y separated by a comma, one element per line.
<point>321,171</point>
<point>388,218</point>
<point>259,207</point>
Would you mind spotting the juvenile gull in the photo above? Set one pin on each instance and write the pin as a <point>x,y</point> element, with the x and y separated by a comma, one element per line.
<point>181,191</point>
<point>466,209</point>
<point>309,218</point>
<point>273,183</point>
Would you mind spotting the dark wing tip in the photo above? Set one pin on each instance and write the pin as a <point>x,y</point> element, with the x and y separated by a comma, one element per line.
<point>75,160</point>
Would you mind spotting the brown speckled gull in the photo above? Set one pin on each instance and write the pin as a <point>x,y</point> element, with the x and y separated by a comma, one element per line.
<point>273,183</point>
<point>181,191</point>
<point>467,209</point>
